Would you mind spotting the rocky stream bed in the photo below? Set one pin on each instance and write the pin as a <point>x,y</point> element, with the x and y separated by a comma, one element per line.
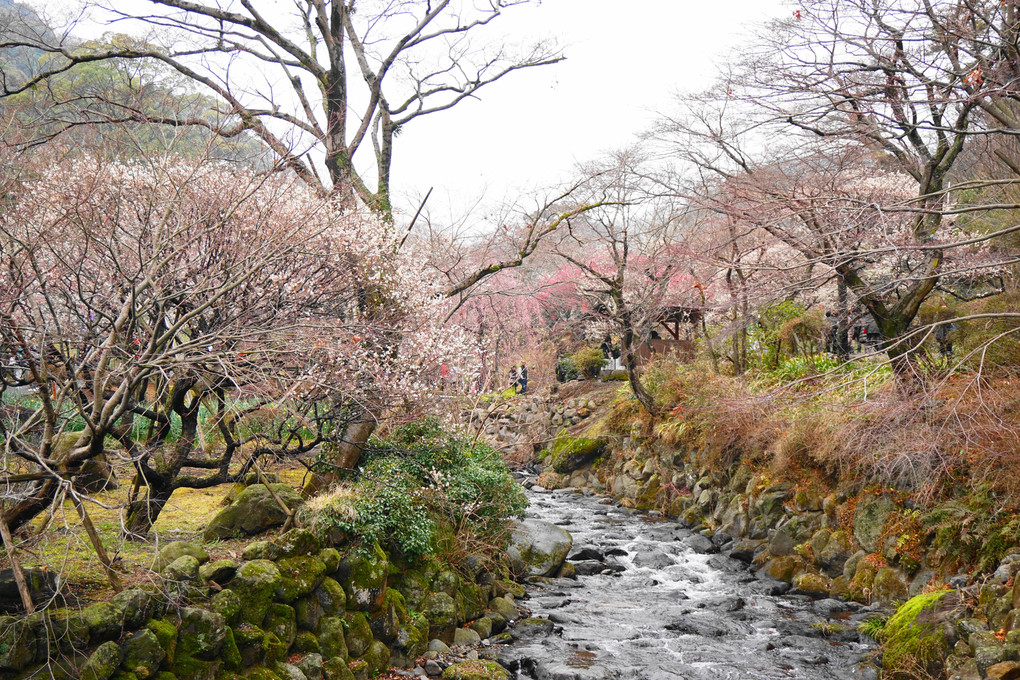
<point>653,600</point>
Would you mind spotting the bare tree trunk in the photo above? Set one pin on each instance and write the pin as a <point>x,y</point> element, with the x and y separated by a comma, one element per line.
<point>19,576</point>
<point>346,456</point>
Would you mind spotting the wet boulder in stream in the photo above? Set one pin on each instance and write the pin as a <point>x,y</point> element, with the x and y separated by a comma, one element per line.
<point>538,548</point>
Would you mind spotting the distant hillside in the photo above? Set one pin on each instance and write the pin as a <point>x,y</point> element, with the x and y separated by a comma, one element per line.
<point>20,23</point>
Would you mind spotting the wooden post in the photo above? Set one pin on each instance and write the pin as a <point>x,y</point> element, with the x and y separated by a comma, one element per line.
<point>19,576</point>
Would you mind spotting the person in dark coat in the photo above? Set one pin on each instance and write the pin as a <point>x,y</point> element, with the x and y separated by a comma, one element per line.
<point>522,378</point>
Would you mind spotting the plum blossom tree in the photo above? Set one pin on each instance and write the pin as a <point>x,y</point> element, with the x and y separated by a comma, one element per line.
<point>894,89</point>
<point>316,82</point>
<point>137,296</point>
<point>627,258</point>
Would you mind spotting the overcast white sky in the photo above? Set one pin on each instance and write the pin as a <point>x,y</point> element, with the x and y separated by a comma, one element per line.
<point>625,61</point>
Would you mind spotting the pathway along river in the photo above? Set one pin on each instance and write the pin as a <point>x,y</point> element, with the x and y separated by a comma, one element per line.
<point>663,603</point>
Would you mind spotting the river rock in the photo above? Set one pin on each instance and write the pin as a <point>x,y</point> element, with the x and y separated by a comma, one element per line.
<point>872,513</point>
<point>700,544</point>
<point>476,670</point>
<point>538,548</point>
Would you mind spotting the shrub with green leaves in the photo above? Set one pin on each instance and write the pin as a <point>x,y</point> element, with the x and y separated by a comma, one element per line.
<point>588,361</point>
<point>423,482</point>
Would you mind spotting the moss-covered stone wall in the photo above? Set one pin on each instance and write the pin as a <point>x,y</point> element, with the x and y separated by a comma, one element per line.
<point>289,609</point>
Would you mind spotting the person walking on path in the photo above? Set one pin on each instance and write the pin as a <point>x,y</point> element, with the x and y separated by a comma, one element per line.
<point>522,378</point>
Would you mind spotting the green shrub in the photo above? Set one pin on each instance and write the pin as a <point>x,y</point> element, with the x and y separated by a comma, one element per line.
<point>765,334</point>
<point>567,370</point>
<point>804,334</point>
<point>422,482</point>
<point>588,361</point>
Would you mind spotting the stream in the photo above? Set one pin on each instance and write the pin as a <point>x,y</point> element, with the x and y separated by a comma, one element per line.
<point>655,601</point>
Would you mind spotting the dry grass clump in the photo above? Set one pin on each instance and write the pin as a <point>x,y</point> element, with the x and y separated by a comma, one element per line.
<point>941,439</point>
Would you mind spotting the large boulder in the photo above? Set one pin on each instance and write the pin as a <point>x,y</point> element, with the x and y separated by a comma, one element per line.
<point>252,512</point>
<point>538,548</point>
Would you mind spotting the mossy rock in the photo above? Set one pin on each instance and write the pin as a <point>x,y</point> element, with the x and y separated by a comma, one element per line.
<point>411,641</point>
<point>331,597</point>
<point>332,639</point>
<point>336,669</point>
<point>231,654</point>
<point>166,633</point>
<point>171,551</point>
<point>475,597</point>
<point>201,634</point>
<point>251,643</point>
<point>288,671</point>
<point>67,632</point>
<point>811,584</point>
<point>391,615</point>
<point>102,663</point>
<point>357,632</point>
<point>447,582</point>
<point>863,580</point>
<point>465,637</point>
<point>300,575</point>
<point>363,575</point>
<point>537,548</point>
<point>915,636</point>
<point>648,494</point>
<point>255,584</point>
<point>505,608</point>
<point>415,586</point>
<point>298,542</point>
<point>227,604</point>
<point>441,611</point>
<point>276,650</point>
<point>138,606</point>
<point>476,670</point>
<point>282,622</point>
<point>184,568</point>
<point>840,587</point>
<point>482,626</point>
<point>306,643</point>
<point>18,644</point>
<point>124,675</point>
<point>105,621</point>
<point>872,513</point>
<point>262,674</point>
<point>310,665</point>
<point>143,654</point>
<point>262,550</point>
<point>377,659</point>
<point>782,568</point>
<point>890,586</point>
<point>573,453</point>
<point>252,512</point>
<point>219,572</point>
<point>532,628</point>
<point>308,613</point>
<point>850,566</point>
<point>331,558</point>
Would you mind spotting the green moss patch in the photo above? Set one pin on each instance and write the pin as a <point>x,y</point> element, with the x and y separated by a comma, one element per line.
<point>572,453</point>
<point>914,637</point>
